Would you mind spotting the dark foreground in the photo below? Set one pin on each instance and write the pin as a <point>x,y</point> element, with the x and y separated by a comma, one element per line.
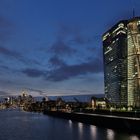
<point>19,125</point>
<point>129,124</point>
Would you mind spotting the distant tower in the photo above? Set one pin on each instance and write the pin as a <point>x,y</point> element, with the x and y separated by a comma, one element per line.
<point>121,51</point>
<point>24,93</point>
<point>46,98</point>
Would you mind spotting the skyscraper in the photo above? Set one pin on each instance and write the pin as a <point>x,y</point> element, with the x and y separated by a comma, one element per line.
<point>121,51</point>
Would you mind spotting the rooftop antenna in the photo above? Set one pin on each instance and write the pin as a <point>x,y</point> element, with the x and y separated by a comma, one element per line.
<point>133,12</point>
<point>133,8</point>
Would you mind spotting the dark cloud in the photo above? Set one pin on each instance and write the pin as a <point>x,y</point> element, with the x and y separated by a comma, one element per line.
<point>35,90</point>
<point>6,82</point>
<point>56,61</point>
<point>8,52</point>
<point>82,40</point>
<point>8,70</point>
<point>6,28</point>
<point>4,67</point>
<point>33,72</point>
<point>16,55</point>
<point>27,61</point>
<point>65,72</point>
<point>4,93</point>
<point>59,48</point>
<point>70,71</point>
<point>75,34</point>
<point>65,30</point>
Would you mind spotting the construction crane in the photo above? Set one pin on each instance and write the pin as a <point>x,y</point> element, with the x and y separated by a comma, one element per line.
<point>76,99</point>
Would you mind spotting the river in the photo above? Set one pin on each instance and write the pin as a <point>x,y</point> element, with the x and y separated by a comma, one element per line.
<point>20,125</point>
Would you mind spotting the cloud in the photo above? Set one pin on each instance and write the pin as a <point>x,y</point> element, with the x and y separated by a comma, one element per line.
<point>70,71</point>
<point>75,34</point>
<point>40,92</point>
<point>27,61</point>
<point>8,52</point>
<point>4,67</point>
<point>61,69</point>
<point>4,93</point>
<point>33,72</point>
<point>6,28</point>
<point>56,61</point>
<point>65,72</point>
<point>82,39</point>
<point>59,48</point>
<point>16,55</point>
<point>65,31</point>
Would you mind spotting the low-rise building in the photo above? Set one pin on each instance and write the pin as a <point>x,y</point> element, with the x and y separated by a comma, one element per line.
<point>98,103</point>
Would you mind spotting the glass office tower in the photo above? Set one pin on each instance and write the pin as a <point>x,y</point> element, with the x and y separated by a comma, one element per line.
<point>121,51</point>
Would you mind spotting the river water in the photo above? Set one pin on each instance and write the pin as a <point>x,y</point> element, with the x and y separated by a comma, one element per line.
<point>19,125</point>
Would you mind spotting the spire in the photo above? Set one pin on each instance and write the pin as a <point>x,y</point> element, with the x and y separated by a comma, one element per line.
<point>133,12</point>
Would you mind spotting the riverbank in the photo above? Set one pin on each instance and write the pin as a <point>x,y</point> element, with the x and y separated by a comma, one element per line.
<point>129,124</point>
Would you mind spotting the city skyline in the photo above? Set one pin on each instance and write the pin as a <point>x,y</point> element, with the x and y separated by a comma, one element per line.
<point>55,48</point>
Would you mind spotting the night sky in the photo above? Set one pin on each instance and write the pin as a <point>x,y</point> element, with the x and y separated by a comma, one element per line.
<point>54,47</point>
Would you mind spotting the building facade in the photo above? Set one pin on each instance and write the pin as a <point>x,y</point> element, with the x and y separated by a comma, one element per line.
<point>121,51</point>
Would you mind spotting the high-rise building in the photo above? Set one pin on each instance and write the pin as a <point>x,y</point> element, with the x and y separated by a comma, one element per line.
<point>121,51</point>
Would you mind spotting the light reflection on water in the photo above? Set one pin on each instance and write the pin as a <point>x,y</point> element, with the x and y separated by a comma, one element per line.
<point>70,123</point>
<point>80,130</point>
<point>93,131</point>
<point>134,137</point>
<point>110,134</point>
<point>80,127</point>
<point>15,125</point>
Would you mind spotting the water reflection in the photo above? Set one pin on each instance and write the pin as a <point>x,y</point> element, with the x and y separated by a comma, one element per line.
<point>70,123</point>
<point>110,134</point>
<point>93,131</point>
<point>134,138</point>
<point>80,127</point>
<point>80,130</point>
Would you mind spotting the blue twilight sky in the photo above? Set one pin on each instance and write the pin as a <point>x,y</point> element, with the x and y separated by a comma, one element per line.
<point>54,47</point>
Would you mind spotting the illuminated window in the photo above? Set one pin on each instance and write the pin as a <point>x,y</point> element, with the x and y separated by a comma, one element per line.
<point>109,49</point>
<point>121,25</point>
<point>138,23</point>
<point>111,59</point>
<point>121,31</point>
<point>113,41</point>
<point>105,36</point>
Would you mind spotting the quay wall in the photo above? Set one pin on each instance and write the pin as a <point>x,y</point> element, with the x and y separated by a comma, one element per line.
<point>115,122</point>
